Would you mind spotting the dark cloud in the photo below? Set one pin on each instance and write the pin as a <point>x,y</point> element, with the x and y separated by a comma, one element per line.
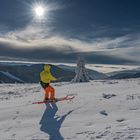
<point>53,55</point>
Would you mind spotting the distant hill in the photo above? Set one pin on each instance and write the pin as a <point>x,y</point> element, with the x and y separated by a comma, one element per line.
<point>126,74</point>
<point>29,73</point>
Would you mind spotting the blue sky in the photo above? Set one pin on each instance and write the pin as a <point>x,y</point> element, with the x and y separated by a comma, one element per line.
<point>102,31</point>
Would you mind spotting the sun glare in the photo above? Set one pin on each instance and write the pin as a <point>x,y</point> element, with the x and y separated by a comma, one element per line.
<point>39,11</point>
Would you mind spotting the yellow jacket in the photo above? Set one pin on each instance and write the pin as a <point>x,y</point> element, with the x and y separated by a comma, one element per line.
<point>46,76</point>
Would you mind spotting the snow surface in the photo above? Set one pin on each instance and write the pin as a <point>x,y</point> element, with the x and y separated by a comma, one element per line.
<point>101,110</point>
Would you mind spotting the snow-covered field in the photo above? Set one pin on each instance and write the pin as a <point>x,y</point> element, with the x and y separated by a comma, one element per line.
<point>104,110</point>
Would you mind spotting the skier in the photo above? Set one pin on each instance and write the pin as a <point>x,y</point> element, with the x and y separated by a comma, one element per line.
<point>45,79</point>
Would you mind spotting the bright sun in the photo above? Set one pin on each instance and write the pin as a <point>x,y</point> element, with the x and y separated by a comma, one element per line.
<point>39,11</point>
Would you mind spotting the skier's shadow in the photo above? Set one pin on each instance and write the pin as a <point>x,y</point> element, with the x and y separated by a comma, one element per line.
<point>50,123</point>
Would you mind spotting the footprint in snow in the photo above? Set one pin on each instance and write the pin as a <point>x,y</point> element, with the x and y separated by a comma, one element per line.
<point>103,112</point>
<point>17,112</point>
<point>133,108</point>
<point>102,134</point>
<point>13,135</point>
<point>14,118</point>
<point>133,97</point>
<point>121,120</point>
<point>108,96</point>
<point>108,127</point>
<point>8,129</point>
<point>130,97</point>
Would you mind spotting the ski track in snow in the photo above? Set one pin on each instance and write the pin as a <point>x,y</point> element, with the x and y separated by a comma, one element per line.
<point>101,110</point>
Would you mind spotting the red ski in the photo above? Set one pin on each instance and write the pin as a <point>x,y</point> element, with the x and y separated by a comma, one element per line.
<point>57,100</point>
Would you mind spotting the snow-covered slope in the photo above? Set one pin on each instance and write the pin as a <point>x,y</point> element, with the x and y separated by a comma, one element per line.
<point>125,74</point>
<point>101,110</point>
<point>11,76</point>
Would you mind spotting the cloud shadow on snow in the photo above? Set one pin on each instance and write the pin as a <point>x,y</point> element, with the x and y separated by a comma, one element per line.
<point>51,123</point>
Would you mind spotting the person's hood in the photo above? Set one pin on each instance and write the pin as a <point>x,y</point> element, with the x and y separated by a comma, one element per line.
<point>47,68</point>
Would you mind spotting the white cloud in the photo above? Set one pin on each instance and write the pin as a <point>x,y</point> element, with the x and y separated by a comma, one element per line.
<point>34,36</point>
